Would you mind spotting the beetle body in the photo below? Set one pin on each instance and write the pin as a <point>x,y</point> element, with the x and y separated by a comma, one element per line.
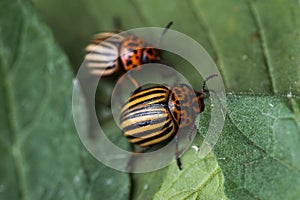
<point>102,54</point>
<point>110,53</point>
<point>155,114</point>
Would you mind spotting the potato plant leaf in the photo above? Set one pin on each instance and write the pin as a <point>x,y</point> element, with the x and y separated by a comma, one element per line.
<point>40,153</point>
<point>259,148</point>
<point>256,47</point>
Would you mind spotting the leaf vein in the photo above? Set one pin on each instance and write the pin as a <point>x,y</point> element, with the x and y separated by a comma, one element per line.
<point>9,100</point>
<point>200,17</point>
<point>264,44</point>
<point>296,112</point>
<point>246,190</point>
<point>263,150</point>
<point>39,111</point>
<point>183,173</point>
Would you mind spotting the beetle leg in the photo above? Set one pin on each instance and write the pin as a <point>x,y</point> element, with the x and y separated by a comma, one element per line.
<point>134,82</point>
<point>134,154</point>
<point>164,31</point>
<point>191,130</point>
<point>204,84</point>
<point>118,93</point>
<point>178,162</point>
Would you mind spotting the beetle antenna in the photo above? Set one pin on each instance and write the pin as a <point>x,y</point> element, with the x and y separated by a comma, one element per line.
<point>204,82</point>
<point>164,31</point>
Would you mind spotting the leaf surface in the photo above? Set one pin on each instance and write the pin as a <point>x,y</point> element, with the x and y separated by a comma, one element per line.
<point>259,148</point>
<point>41,155</point>
<point>256,47</point>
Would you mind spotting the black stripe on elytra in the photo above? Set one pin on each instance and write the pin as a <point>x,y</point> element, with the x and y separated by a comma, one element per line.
<point>152,91</point>
<point>144,123</point>
<point>165,132</point>
<point>147,112</point>
<point>103,68</point>
<point>106,66</point>
<point>150,131</point>
<point>110,47</point>
<point>103,53</point>
<point>98,61</point>
<point>155,106</point>
<point>147,100</point>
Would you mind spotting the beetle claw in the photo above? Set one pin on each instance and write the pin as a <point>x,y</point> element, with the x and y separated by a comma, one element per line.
<point>178,162</point>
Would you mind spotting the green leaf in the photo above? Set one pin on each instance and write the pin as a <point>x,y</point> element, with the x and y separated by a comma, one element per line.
<point>256,47</point>
<point>41,156</point>
<point>145,185</point>
<point>259,148</point>
<point>200,179</point>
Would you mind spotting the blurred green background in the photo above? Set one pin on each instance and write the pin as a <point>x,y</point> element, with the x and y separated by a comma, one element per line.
<point>255,44</point>
<point>257,38</point>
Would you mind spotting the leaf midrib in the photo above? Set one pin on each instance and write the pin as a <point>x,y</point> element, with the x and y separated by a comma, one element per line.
<point>9,102</point>
<point>263,43</point>
<point>200,17</point>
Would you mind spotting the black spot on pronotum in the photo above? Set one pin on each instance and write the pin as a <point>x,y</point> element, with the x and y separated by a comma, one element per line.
<point>150,51</point>
<point>128,62</point>
<point>173,97</point>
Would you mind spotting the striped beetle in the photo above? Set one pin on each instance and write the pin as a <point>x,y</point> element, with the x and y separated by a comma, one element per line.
<point>110,53</point>
<point>153,115</point>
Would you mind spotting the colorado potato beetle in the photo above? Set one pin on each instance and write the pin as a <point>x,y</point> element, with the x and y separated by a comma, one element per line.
<point>110,53</point>
<point>154,114</point>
